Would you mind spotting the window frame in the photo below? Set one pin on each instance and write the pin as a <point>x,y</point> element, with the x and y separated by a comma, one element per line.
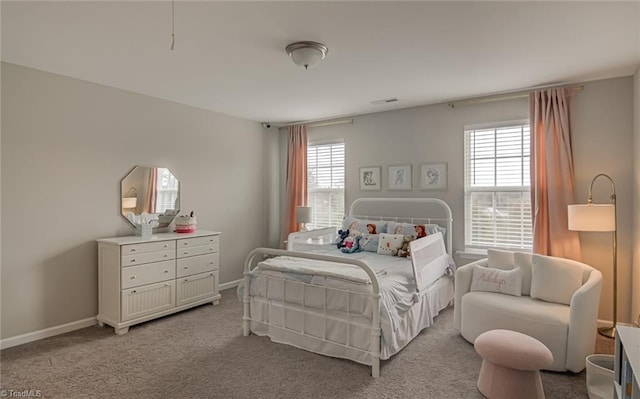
<point>471,245</point>
<point>332,142</point>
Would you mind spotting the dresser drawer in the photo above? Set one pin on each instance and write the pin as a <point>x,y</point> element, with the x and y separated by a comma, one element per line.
<point>196,288</point>
<point>148,299</point>
<point>193,251</point>
<point>196,264</point>
<point>146,274</point>
<point>133,260</point>
<point>134,249</point>
<point>212,241</point>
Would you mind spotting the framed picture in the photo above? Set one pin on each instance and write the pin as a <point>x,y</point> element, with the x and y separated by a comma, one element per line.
<point>370,178</point>
<point>400,177</point>
<point>433,176</point>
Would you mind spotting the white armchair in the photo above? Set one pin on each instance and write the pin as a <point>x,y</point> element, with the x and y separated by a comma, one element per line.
<point>568,329</point>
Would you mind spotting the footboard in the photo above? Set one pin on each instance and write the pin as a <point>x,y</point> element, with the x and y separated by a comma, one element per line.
<point>258,254</point>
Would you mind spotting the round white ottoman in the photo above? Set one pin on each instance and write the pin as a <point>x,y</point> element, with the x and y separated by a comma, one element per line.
<point>511,365</point>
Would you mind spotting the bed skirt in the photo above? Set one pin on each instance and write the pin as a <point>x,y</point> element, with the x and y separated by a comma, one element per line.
<point>336,337</point>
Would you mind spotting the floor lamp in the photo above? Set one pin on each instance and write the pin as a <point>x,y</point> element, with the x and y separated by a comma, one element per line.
<point>599,217</point>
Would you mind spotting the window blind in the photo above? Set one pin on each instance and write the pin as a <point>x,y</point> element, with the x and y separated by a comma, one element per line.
<point>497,187</point>
<point>325,184</point>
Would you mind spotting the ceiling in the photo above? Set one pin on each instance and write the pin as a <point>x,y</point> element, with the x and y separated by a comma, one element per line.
<point>229,56</point>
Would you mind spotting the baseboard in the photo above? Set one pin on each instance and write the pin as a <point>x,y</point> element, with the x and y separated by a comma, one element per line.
<point>230,284</point>
<point>607,323</point>
<point>46,333</point>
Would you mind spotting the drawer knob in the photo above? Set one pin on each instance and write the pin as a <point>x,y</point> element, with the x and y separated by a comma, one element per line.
<point>133,277</point>
<point>133,250</point>
<point>134,291</point>
<point>166,271</point>
<point>133,260</point>
<point>184,243</point>
<point>186,279</point>
<point>166,256</point>
<point>211,263</point>
<point>186,253</point>
<point>186,267</point>
<point>166,246</point>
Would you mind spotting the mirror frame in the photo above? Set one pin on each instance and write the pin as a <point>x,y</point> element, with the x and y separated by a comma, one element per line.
<point>131,196</point>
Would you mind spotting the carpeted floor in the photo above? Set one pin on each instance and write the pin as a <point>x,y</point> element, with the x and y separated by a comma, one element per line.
<point>201,353</point>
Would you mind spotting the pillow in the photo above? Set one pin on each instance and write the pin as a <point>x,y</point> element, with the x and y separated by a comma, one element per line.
<point>389,244</point>
<point>364,226</point>
<point>369,242</point>
<point>554,279</point>
<point>499,259</point>
<point>523,261</point>
<point>418,230</point>
<point>495,280</point>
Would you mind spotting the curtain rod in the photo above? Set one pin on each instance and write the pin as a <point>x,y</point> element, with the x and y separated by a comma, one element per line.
<point>319,123</point>
<point>507,96</point>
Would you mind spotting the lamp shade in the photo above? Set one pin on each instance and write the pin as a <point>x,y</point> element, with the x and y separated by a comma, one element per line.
<point>303,214</point>
<point>592,217</point>
<point>129,202</point>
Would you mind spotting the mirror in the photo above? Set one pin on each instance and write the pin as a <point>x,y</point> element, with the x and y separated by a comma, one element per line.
<point>151,190</point>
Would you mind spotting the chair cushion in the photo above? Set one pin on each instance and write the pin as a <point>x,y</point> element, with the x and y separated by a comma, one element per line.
<point>499,259</point>
<point>554,279</point>
<point>523,261</point>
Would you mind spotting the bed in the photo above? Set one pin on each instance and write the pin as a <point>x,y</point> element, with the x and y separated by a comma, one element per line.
<point>361,306</point>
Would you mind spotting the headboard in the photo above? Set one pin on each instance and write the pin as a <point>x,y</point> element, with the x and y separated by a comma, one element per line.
<point>410,210</point>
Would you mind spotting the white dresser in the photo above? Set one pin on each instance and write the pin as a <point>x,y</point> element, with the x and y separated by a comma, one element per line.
<point>140,279</point>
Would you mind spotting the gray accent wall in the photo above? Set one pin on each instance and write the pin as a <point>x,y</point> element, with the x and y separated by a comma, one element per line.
<point>602,124</point>
<point>66,144</point>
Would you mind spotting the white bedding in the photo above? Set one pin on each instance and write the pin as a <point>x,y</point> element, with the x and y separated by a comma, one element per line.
<point>402,313</point>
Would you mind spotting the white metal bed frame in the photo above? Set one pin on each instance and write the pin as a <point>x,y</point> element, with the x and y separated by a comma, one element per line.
<point>254,256</point>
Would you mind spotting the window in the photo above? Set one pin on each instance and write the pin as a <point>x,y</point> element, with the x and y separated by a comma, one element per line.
<point>497,187</point>
<point>325,184</point>
<point>167,186</point>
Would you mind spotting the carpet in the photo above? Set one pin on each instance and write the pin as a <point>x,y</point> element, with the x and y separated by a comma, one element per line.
<point>201,353</point>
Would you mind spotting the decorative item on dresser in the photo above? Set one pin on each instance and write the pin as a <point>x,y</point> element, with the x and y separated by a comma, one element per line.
<point>142,278</point>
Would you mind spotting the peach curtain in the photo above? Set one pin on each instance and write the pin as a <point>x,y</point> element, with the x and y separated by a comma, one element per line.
<point>296,189</point>
<point>552,177</point>
<point>152,189</point>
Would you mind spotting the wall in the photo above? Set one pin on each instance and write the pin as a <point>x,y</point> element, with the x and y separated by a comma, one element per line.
<point>602,131</point>
<point>66,145</point>
<point>602,126</point>
<point>635,293</point>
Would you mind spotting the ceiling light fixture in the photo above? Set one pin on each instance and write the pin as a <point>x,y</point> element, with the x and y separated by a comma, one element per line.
<point>307,54</point>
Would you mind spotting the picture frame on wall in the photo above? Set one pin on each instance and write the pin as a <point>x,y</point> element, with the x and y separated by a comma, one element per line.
<point>433,176</point>
<point>400,177</point>
<point>370,178</point>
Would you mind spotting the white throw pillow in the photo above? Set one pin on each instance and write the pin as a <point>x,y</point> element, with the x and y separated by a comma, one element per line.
<point>499,259</point>
<point>389,244</point>
<point>523,261</point>
<point>554,279</point>
<point>495,280</point>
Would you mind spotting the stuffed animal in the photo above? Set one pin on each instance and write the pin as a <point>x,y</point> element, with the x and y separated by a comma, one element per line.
<point>405,250</point>
<point>342,234</point>
<point>351,245</point>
